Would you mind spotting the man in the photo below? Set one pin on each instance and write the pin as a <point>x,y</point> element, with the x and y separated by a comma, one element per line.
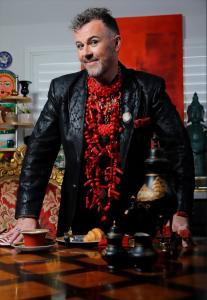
<point>95,114</point>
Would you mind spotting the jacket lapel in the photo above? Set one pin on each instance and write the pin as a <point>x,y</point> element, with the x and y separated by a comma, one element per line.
<point>76,114</point>
<point>130,102</point>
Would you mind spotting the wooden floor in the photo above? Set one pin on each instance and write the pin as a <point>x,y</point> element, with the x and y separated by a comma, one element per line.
<point>75,273</point>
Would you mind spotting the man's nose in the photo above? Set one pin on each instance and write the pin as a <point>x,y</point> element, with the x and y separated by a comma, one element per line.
<point>87,52</point>
<point>89,56</point>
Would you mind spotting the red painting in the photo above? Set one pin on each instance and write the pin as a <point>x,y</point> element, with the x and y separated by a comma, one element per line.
<point>155,44</point>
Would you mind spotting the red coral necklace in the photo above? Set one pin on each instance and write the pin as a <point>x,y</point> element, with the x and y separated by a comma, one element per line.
<point>102,151</point>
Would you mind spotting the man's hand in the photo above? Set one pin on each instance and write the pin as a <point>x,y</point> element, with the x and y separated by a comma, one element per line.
<point>14,235</point>
<point>180,225</point>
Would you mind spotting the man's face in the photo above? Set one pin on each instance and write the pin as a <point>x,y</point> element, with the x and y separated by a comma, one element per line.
<point>98,50</point>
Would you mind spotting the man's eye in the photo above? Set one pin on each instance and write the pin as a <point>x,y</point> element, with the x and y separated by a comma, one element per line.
<point>79,46</point>
<point>94,42</point>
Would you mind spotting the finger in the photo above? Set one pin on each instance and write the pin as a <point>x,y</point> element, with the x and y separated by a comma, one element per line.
<point>9,232</point>
<point>174,228</point>
<point>5,234</point>
<point>168,223</point>
<point>3,231</point>
<point>14,235</point>
<point>18,239</point>
<point>184,243</point>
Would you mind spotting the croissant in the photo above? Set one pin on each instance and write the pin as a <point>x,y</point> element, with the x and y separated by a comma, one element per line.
<point>96,234</point>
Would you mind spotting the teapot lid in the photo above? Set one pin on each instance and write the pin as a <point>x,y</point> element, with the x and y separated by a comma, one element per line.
<point>156,161</point>
<point>114,231</point>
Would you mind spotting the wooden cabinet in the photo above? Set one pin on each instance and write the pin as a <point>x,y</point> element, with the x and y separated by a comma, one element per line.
<point>199,217</point>
<point>10,124</point>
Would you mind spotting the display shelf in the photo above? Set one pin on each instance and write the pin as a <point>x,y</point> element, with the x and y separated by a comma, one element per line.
<point>18,124</point>
<point>8,149</point>
<point>26,125</point>
<point>15,99</point>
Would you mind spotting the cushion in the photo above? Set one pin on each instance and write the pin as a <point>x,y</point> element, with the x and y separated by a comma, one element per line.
<point>49,212</point>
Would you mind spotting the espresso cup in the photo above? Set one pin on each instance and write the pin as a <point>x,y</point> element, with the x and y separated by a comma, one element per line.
<point>35,237</point>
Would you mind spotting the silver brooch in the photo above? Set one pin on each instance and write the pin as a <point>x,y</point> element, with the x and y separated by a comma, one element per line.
<point>126,117</point>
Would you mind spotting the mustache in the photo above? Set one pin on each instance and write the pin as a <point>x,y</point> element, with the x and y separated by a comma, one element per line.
<point>86,60</point>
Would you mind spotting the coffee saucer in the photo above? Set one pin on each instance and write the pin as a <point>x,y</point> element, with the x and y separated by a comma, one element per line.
<point>20,247</point>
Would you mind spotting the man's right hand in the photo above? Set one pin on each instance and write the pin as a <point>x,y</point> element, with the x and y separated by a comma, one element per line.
<point>14,235</point>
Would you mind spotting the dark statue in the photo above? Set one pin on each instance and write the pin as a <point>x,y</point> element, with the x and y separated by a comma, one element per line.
<point>197,131</point>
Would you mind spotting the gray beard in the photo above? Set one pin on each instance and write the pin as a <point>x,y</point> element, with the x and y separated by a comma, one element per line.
<point>95,73</point>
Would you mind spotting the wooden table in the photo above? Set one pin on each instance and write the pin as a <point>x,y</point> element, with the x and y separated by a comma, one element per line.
<point>75,273</point>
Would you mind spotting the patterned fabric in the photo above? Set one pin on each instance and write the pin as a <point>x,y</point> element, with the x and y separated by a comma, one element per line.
<point>8,191</point>
<point>49,213</point>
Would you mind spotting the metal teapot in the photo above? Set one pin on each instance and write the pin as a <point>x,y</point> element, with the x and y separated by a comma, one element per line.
<point>155,202</point>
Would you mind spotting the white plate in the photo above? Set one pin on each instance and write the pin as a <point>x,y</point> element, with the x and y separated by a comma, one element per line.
<point>22,248</point>
<point>5,59</point>
<point>77,240</point>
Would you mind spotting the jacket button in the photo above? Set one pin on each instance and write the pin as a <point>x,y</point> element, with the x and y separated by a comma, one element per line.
<point>74,186</point>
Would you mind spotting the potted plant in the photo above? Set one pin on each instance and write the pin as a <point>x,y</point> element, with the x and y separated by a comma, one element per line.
<point>24,114</point>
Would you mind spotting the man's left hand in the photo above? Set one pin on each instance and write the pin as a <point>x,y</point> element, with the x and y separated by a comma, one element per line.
<point>180,225</point>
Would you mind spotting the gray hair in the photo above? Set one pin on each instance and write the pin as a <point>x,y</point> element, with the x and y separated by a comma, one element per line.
<point>91,14</point>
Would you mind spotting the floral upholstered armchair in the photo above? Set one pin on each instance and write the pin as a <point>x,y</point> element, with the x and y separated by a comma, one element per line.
<point>9,181</point>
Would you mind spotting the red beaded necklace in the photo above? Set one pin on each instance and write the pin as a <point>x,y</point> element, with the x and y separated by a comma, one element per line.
<point>102,151</point>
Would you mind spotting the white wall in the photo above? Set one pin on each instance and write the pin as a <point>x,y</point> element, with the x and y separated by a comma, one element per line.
<point>43,23</point>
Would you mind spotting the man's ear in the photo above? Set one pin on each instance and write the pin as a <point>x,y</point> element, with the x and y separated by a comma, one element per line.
<point>117,43</point>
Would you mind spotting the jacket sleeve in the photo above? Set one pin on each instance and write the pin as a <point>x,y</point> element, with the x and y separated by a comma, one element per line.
<point>42,150</point>
<point>174,139</point>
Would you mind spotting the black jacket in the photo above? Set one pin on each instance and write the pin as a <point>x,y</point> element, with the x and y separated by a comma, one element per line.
<point>62,122</point>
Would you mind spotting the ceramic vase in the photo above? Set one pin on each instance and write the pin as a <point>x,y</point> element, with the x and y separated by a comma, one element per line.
<point>24,87</point>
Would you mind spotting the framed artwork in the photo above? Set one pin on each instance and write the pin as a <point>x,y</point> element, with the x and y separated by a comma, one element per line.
<point>7,83</point>
<point>155,44</point>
